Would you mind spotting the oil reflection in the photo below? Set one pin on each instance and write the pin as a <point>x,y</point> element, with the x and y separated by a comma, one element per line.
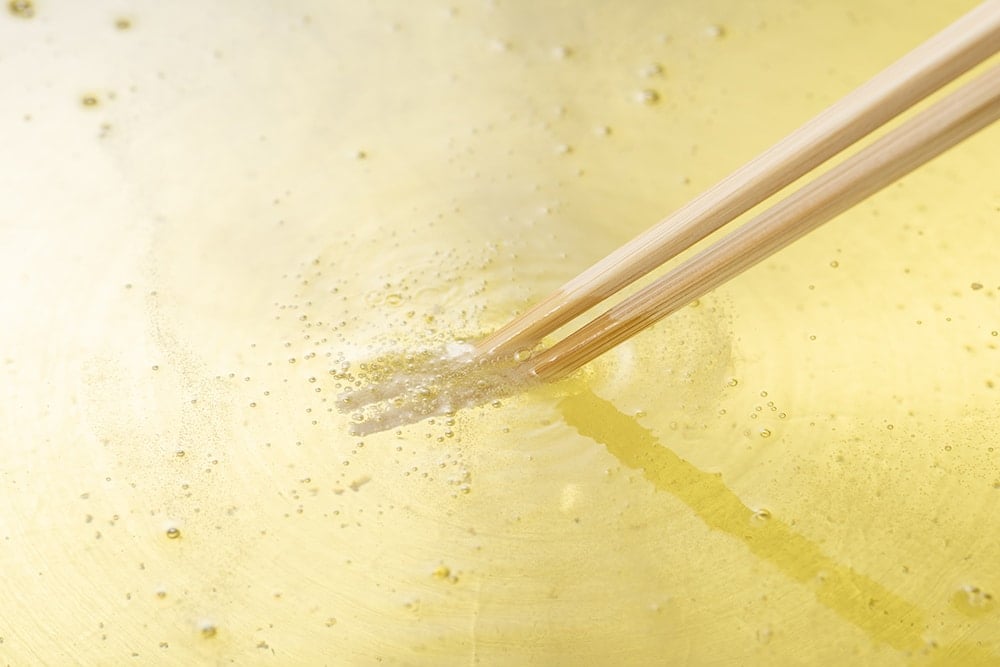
<point>882,615</point>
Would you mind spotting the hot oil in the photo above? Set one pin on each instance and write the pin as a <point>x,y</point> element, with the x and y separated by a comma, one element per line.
<point>797,468</point>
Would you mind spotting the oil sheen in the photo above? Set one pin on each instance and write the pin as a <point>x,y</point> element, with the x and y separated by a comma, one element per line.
<point>223,213</point>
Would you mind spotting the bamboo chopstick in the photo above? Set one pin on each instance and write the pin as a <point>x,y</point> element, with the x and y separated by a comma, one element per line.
<point>965,43</point>
<point>956,117</point>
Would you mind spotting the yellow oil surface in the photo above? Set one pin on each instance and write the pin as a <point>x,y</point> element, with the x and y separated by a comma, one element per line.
<point>216,212</point>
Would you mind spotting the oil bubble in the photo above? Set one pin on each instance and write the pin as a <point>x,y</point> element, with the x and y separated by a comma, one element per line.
<point>646,96</point>
<point>207,629</point>
<point>715,31</point>
<point>650,70</point>
<point>24,9</point>
<point>522,355</point>
<point>973,601</point>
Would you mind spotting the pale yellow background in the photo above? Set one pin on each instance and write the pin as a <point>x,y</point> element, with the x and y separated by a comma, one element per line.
<point>801,469</point>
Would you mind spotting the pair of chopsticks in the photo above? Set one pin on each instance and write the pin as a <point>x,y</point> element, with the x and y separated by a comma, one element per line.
<point>958,48</point>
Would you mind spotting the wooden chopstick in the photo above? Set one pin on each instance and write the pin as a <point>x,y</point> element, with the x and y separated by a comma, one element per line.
<point>967,42</point>
<point>926,135</point>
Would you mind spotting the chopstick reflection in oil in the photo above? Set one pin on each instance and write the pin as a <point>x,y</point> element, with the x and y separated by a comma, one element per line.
<point>855,597</point>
